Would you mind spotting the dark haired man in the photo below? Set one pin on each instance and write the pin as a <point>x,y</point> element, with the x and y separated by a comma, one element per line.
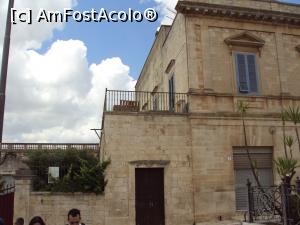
<point>74,217</point>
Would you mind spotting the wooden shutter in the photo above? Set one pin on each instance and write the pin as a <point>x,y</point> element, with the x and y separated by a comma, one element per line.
<point>171,94</point>
<point>246,73</point>
<point>251,62</point>
<point>242,73</point>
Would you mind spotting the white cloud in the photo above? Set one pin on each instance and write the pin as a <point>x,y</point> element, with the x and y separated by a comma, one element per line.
<point>56,96</point>
<point>166,9</point>
<point>26,36</point>
<point>32,36</point>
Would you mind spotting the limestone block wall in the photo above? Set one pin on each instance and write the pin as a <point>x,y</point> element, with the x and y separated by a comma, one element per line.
<point>134,141</point>
<point>204,63</point>
<point>151,74</point>
<point>290,65</point>
<point>53,208</point>
<point>168,46</point>
<point>212,64</point>
<point>175,48</point>
<point>220,104</point>
<point>213,140</point>
<point>199,175</point>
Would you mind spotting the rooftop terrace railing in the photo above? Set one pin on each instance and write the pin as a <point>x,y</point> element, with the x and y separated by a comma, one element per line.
<point>47,146</point>
<point>141,101</point>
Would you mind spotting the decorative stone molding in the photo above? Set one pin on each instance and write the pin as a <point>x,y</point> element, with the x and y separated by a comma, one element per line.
<point>245,39</point>
<point>150,163</point>
<point>258,15</point>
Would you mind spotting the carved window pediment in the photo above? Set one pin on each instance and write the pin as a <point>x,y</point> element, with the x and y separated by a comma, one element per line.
<point>297,48</point>
<point>245,39</point>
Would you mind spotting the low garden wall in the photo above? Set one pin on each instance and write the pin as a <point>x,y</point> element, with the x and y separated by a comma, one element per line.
<point>54,207</point>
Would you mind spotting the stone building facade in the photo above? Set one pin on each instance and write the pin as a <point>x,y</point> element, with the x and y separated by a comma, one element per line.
<point>218,53</point>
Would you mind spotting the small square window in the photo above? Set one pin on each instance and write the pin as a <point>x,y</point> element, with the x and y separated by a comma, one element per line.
<point>246,72</point>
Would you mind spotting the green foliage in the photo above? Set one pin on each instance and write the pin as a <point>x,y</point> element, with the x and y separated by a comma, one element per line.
<point>89,178</point>
<point>289,141</point>
<point>293,114</point>
<point>286,167</point>
<point>284,116</point>
<point>79,171</point>
<point>242,107</point>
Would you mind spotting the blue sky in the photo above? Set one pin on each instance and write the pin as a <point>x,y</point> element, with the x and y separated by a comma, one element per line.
<point>293,1</point>
<point>129,41</point>
<point>58,72</point>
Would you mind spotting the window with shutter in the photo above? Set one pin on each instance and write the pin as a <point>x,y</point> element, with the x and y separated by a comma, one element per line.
<point>263,158</point>
<point>171,94</point>
<point>247,76</point>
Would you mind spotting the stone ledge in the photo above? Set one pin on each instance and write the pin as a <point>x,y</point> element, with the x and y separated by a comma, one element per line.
<point>237,12</point>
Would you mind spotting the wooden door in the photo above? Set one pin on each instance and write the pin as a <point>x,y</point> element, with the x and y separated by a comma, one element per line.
<point>149,196</point>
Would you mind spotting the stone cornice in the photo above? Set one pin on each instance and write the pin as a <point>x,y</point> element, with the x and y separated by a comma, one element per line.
<point>283,96</point>
<point>235,12</point>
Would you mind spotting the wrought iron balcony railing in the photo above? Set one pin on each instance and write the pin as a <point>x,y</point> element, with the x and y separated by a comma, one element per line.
<point>141,101</point>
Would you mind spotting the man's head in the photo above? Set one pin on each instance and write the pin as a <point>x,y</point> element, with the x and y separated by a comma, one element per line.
<point>19,221</point>
<point>74,217</point>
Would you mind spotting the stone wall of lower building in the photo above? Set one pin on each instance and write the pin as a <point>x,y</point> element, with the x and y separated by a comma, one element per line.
<point>213,140</point>
<point>54,207</point>
<point>147,141</point>
<point>198,153</point>
<point>195,151</point>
